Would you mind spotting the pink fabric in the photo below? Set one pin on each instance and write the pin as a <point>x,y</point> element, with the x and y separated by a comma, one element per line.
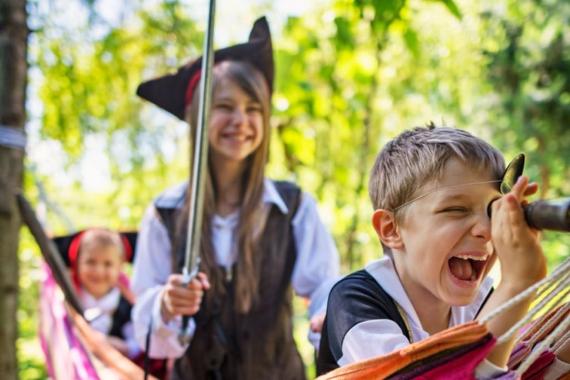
<point>413,370</point>
<point>538,368</point>
<point>66,358</point>
<point>518,354</point>
<point>509,375</point>
<point>462,367</point>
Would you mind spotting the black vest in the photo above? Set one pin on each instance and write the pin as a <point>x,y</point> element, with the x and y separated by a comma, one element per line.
<point>121,316</point>
<point>361,298</point>
<point>259,344</point>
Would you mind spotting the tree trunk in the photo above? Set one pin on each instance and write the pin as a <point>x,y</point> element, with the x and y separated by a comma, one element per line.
<point>13,70</point>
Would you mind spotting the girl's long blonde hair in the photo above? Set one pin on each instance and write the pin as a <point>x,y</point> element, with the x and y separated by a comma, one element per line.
<point>246,279</point>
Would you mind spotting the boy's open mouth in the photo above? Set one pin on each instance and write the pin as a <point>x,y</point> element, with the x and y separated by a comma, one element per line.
<point>468,267</point>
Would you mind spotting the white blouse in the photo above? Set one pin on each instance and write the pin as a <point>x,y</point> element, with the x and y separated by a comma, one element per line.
<point>316,268</point>
<point>104,308</point>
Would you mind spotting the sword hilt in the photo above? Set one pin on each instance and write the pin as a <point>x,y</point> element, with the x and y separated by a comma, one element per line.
<point>187,276</point>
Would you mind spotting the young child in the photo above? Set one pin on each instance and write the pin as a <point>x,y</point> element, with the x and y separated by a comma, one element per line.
<point>433,191</point>
<point>96,258</point>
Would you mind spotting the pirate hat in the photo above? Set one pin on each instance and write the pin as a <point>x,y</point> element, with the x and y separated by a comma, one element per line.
<point>68,246</point>
<point>173,92</point>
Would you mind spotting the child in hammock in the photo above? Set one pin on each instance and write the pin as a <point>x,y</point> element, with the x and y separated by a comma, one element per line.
<point>433,191</point>
<point>96,257</point>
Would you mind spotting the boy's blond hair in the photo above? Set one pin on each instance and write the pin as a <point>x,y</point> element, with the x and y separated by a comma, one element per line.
<point>419,155</point>
<point>101,237</point>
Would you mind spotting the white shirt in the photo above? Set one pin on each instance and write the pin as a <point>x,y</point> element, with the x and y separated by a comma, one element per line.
<point>316,268</point>
<point>104,308</point>
<point>378,337</point>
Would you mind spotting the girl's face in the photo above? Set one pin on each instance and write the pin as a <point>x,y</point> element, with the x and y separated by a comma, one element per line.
<point>98,269</point>
<point>236,123</point>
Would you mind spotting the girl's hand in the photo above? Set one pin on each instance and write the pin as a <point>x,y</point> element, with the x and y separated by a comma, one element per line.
<point>119,344</point>
<point>179,300</point>
<point>516,244</point>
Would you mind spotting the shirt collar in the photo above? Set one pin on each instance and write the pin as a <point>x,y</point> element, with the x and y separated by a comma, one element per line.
<point>385,274</point>
<point>106,304</point>
<point>271,195</point>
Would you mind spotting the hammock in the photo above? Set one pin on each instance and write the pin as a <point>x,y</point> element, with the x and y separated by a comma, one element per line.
<point>73,350</point>
<point>57,337</point>
<point>453,354</point>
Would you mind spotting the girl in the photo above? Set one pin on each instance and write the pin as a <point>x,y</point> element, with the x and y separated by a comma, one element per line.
<point>261,239</point>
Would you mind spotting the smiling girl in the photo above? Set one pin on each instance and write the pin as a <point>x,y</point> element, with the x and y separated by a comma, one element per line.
<point>261,239</point>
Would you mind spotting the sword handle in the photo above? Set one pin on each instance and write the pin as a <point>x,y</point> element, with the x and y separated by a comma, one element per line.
<point>184,337</point>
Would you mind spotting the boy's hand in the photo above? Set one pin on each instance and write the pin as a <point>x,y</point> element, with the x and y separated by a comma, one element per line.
<point>516,244</point>
<point>179,300</point>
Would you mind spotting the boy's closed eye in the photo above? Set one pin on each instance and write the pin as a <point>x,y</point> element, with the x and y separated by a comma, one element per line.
<point>455,209</point>
<point>462,204</point>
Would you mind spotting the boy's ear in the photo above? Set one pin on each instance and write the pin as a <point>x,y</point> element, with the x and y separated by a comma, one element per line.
<point>384,223</point>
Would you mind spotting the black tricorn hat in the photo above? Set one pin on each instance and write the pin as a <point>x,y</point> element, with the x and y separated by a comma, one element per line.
<point>170,92</point>
<point>68,245</point>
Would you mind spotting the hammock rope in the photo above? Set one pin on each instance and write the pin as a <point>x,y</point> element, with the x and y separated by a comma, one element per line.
<point>543,346</point>
<point>558,273</point>
<point>537,308</point>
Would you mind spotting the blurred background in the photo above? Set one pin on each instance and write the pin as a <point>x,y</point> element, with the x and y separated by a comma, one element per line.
<point>350,76</point>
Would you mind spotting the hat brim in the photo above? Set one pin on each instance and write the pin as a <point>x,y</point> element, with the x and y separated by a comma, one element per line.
<point>63,244</point>
<point>169,91</point>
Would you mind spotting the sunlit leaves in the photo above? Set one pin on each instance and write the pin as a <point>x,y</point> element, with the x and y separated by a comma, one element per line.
<point>452,7</point>
<point>529,66</point>
<point>354,75</point>
<point>350,76</point>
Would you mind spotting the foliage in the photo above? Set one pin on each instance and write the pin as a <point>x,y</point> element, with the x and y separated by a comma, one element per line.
<point>348,85</point>
<point>87,94</point>
<point>352,78</point>
<point>529,67</point>
<point>528,60</point>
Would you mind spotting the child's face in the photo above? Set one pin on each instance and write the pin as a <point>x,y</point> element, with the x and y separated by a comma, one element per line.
<point>236,123</point>
<point>99,268</point>
<point>446,237</point>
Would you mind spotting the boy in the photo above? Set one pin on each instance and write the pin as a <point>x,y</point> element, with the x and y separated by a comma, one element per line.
<point>96,258</point>
<point>432,190</point>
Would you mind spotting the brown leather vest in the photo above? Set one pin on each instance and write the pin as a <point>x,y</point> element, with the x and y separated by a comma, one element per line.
<point>259,344</point>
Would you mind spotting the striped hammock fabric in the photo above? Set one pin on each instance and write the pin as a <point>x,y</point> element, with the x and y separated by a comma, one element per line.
<point>72,349</point>
<point>455,353</point>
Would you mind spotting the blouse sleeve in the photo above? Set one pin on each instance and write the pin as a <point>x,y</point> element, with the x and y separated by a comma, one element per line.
<point>152,266</point>
<point>317,265</point>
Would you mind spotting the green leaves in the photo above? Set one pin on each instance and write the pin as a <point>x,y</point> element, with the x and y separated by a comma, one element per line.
<point>452,8</point>
<point>345,71</point>
<point>350,76</point>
